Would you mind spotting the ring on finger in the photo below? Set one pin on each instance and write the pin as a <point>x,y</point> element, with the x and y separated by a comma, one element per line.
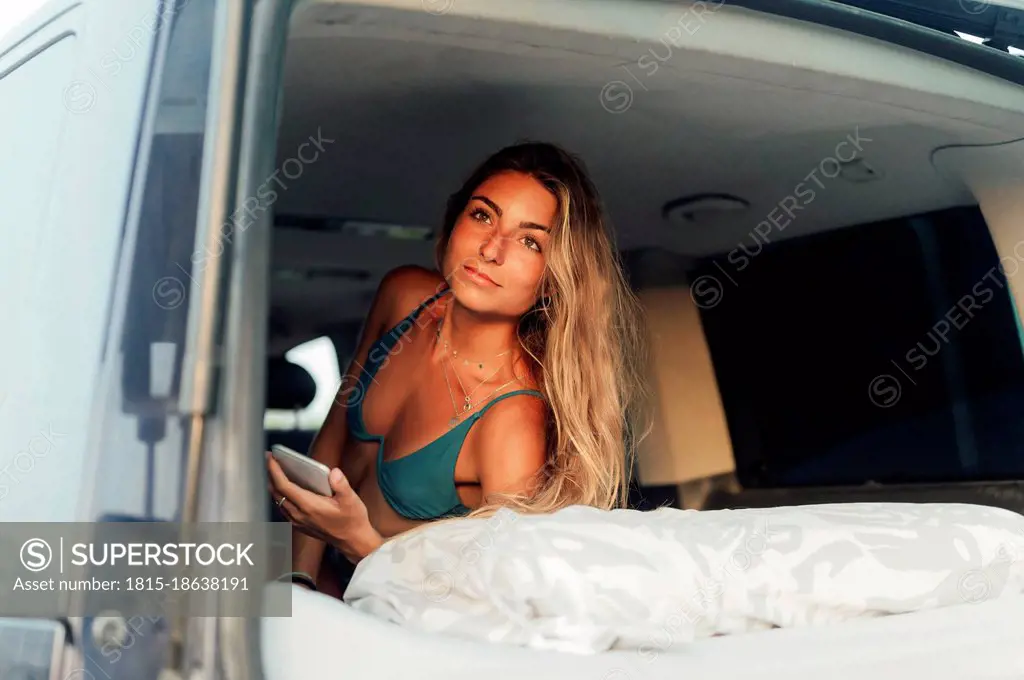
<point>281,502</point>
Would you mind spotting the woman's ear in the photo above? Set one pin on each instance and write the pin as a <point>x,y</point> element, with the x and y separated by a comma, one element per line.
<point>546,293</point>
<point>543,301</point>
<point>544,288</point>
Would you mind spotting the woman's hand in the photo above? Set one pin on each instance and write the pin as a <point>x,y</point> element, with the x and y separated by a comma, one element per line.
<point>340,521</point>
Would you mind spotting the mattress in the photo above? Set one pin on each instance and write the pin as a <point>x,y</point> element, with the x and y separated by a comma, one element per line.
<point>325,639</point>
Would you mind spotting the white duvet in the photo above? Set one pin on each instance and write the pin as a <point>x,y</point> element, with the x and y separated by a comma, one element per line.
<point>587,580</point>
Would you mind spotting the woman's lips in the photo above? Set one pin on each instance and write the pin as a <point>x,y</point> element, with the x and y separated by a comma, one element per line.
<point>478,276</point>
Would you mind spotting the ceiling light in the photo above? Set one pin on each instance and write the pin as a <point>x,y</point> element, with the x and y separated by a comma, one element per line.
<point>693,209</point>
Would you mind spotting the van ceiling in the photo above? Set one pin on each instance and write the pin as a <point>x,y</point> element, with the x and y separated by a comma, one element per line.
<point>740,103</point>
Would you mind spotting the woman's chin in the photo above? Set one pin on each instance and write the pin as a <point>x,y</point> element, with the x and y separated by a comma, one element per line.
<point>489,300</point>
<point>475,300</point>
<point>479,301</point>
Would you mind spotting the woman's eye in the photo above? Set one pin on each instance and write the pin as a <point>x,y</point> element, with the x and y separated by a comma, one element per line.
<point>531,243</point>
<point>480,215</point>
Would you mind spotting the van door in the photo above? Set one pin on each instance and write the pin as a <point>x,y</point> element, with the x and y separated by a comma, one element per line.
<point>73,89</point>
<point>117,160</point>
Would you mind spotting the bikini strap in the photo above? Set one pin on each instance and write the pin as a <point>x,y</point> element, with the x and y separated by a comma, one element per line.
<point>414,314</point>
<point>476,416</point>
<point>390,337</point>
<point>400,328</point>
<point>433,298</point>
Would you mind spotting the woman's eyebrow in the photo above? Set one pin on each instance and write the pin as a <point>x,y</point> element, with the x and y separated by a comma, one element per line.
<point>492,204</point>
<point>497,210</point>
<point>535,226</point>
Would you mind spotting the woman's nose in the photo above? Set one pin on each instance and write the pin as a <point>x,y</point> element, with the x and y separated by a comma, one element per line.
<point>493,248</point>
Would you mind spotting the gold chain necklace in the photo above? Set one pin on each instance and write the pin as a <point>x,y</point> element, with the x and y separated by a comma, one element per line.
<point>459,415</point>
<point>455,353</point>
<point>468,401</point>
<point>455,407</point>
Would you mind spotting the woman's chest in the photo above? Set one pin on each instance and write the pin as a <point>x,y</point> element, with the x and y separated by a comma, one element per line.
<point>382,516</point>
<point>414,407</point>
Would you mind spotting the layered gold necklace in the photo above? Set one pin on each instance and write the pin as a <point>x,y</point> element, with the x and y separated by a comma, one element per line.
<point>451,353</point>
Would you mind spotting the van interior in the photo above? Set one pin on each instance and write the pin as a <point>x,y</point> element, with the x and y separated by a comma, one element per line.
<point>819,204</point>
<point>823,227</point>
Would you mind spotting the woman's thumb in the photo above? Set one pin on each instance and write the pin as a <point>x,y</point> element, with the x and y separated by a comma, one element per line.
<point>337,481</point>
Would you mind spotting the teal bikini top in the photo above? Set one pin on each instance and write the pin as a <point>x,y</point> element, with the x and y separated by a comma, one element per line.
<point>420,485</point>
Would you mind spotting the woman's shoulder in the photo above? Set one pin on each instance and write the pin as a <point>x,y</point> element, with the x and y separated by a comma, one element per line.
<point>404,288</point>
<point>524,412</point>
<point>511,442</point>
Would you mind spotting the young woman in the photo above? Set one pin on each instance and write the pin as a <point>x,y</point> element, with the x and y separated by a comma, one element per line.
<point>513,376</point>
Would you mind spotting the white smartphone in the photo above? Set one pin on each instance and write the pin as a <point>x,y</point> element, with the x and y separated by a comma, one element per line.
<point>303,470</point>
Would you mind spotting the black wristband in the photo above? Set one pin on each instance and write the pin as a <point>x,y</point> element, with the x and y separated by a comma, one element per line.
<point>300,577</point>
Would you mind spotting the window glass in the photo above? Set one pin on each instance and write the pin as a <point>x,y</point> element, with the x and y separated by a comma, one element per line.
<point>30,124</point>
<point>887,352</point>
<point>320,359</point>
<point>32,117</point>
<point>144,433</point>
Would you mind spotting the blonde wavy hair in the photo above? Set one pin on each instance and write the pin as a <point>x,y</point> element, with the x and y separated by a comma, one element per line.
<point>584,340</point>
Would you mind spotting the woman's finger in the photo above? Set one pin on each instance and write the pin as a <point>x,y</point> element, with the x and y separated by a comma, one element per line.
<point>339,484</point>
<point>293,492</point>
<point>279,501</point>
<point>271,477</point>
<point>291,512</point>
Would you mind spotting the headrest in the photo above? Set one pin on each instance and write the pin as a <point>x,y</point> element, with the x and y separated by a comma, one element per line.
<point>289,386</point>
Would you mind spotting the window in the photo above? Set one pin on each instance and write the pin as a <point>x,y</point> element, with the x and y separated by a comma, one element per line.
<point>144,432</point>
<point>32,117</point>
<point>30,125</point>
<point>69,139</point>
<point>320,359</point>
<point>887,352</point>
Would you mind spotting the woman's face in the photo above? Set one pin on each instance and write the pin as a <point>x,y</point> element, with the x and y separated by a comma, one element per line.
<point>497,249</point>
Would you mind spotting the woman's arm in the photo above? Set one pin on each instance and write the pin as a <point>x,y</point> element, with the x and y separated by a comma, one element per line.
<point>510,448</point>
<point>327,446</point>
<point>340,520</point>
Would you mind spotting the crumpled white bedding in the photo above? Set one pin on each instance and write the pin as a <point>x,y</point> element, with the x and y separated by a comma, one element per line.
<point>586,580</point>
